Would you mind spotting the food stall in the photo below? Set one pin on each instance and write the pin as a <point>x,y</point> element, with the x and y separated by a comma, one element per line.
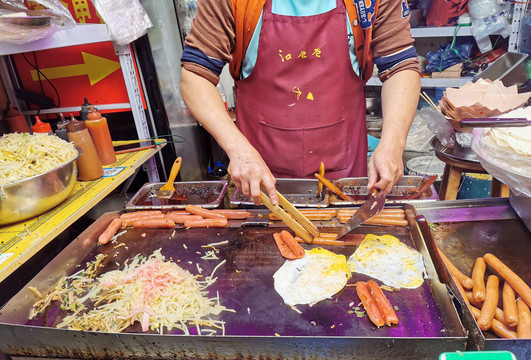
<point>191,269</point>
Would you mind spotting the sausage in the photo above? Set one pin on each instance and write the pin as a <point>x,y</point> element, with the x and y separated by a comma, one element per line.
<point>181,218</point>
<point>508,275</point>
<point>233,214</point>
<point>178,212</point>
<point>510,312</point>
<point>478,279</point>
<point>383,303</point>
<point>386,222</point>
<point>489,305</point>
<point>463,279</point>
<point>129,221</point>
<point>497,327</point>
<point>153,223</point>
<point>209,214</point>
<point>498,315</point>
<point>386,211</point>
<point>352,239</point>
<point>288,246</point>
<point>139,214</point>
<point>111,230</point>
<point>461,290</point>
<point>369,304</point>
<point>523,331</point>
<point>202,223</point>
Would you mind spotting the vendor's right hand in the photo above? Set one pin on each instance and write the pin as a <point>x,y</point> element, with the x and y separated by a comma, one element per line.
<point>249,172</point>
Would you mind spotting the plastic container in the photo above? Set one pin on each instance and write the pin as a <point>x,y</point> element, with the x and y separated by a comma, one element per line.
<point>524,44</point>
<point>41,127</point>
<point>16,121</point>
<point>61,128</point>
<point>99,132</point>
<point>88,164</point>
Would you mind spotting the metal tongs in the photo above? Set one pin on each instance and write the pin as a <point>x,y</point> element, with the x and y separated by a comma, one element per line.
<point>292,217</point>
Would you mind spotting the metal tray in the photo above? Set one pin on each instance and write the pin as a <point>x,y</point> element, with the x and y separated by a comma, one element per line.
<point>206,194</point>
<point>466,230</point>
<point>262,326</point>
<point>299,192</point>
<point>357,189</point>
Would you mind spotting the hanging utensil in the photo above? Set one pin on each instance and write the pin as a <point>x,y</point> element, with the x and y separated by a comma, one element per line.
<point>371,207</point>
<point>168,189</point>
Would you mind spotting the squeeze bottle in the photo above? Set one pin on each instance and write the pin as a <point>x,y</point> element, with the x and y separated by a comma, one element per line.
<point>16,121</point>
<point>99,132</point>
<point>41,127</point>
<point>61,127</point>
<point>88,164</point>
<point>85,109</point>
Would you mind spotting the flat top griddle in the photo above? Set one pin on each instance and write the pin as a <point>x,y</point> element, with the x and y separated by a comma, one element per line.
<point>245,284</point>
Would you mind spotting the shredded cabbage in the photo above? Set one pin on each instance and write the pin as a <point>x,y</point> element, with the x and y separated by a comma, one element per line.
<point>25,155</point>
<point>156,293</point>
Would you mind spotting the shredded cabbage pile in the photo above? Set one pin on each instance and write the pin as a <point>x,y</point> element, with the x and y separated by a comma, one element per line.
<point>25,155</point>
<point>157,293</point>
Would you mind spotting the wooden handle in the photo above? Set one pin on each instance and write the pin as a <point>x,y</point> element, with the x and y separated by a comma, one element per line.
<point>286,219</point>
<point>299,217</point>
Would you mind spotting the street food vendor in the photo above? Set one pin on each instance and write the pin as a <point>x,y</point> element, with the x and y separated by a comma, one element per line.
<point>300,69</point>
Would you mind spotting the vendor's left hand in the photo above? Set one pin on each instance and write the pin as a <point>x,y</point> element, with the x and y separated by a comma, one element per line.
<point>385,168</point>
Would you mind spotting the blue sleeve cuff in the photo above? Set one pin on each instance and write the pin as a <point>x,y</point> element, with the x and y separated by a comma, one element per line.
<point>388,62</point>
<point>194,55</point>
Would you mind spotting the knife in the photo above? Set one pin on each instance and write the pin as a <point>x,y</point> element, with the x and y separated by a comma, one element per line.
<point>374,204</point>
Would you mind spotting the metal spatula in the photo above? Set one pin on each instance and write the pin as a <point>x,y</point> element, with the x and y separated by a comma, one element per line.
<point>167,190</point>
<point>374,204</point>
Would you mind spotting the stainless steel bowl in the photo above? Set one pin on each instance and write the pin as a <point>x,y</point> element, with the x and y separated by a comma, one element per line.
<point>30,197</point>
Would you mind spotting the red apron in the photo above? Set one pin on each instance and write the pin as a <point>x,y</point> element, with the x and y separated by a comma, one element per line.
<point>303,103</point>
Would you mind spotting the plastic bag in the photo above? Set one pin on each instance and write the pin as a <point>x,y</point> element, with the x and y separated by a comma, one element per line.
<point>510,167</point>
<point>419,136</point>
<point>14,16</point>
<point>437,123</point>
<point>187,10</point>
<point>126,19</point>
<point>445,56</point>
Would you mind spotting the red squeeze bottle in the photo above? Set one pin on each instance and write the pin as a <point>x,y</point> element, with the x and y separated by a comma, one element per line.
<point>99,132</point>
<point>16,121</point>
<point>41,127</point>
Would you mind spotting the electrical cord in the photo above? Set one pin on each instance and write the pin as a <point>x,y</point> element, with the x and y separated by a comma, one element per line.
<point>39,72</point>
<point>452,48</point>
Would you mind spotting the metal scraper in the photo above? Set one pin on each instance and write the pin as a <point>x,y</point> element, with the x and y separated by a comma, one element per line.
<point>374,204</point>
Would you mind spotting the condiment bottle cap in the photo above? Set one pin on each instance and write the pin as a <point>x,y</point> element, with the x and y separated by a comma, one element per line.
<point>41,127</point>
<point>61,124</point>
<point>75,125</point>
<point>93,114</point>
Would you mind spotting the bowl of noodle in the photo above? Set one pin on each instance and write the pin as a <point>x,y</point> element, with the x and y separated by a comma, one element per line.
<point>37,172</point>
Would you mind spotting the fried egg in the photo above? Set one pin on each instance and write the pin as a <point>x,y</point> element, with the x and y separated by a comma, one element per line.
<point>387,259</point>
<point>317,276</point>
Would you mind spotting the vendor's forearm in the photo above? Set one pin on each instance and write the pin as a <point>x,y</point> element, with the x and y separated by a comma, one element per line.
<point>205,104</point>
<point>400,95</point>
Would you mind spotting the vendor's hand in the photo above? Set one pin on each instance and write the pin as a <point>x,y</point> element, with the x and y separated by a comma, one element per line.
<point>385,168</point>
<point>249,171</point>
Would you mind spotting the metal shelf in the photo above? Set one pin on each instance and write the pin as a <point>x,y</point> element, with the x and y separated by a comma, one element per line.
<point>444,31</point>
<point>78,35</point>
<point>88,34</point>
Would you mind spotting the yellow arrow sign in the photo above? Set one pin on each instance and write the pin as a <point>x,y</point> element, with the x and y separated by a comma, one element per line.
<point>95,67</point>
